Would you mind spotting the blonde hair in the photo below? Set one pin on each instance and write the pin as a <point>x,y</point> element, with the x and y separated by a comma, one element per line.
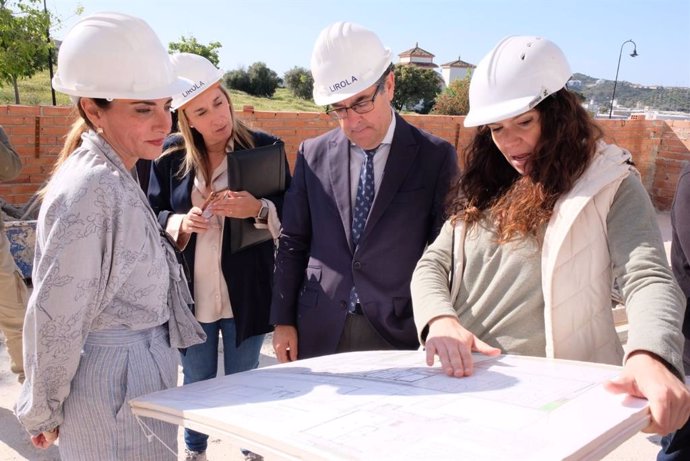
<point>81,125</point>
<point>196,157</point>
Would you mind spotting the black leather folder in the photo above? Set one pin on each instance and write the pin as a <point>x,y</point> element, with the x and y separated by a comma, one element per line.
<point>261,172</point>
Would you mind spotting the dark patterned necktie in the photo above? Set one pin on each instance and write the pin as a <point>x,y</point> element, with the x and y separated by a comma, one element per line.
<point>363,201</point>
<point>365,196</point>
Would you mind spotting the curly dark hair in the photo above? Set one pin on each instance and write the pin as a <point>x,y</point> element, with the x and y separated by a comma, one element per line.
<point>518,204</point>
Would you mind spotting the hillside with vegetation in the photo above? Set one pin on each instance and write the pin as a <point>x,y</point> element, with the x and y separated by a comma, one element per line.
<point>36,91</point>
<point>632,95</point>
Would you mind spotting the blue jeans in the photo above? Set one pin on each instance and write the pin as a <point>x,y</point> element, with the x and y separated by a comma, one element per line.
<point>676,445</point>
<point>200,363</point>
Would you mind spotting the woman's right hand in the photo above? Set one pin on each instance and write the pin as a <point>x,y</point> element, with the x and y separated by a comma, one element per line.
<point>46,438</point>
<point>454,346</point>
<point>193,221</point>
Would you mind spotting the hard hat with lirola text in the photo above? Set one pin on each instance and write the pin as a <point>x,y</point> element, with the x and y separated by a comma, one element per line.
<point>200,72</point>
<point>347,59</point>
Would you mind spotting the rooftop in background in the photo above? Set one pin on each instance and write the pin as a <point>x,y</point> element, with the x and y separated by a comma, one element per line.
<point>459,63</point>
<point>450,71</point>
<point>417,57</point>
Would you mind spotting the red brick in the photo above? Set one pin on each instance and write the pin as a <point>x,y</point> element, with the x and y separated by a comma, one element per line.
<point>660,148</point>
<point>23,110</point>
<point>57,110</point>
<point>17,130</point>
<point>54,130</point>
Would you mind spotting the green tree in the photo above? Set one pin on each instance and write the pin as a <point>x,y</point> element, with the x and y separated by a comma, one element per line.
<point>415,88</point>
<point>191,45</point>
<point>454,100</point>
<point>24,44</point>
<point>258,80</point>
<point>262,80</point>
<point>238,79</point>
<point>300,82</point>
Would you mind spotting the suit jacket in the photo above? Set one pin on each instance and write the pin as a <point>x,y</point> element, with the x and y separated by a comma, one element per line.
<point>247,272</point>
<point>316,264</point>
<point>680,246</point>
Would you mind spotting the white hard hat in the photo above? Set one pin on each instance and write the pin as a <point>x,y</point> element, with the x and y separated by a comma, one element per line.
<point>514,77</point>
<point>347,59</point>
<point>115,56</point>
<point>200,72</point>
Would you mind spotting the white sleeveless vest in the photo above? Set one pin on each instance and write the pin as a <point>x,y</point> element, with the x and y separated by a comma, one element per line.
<point>575,264</point>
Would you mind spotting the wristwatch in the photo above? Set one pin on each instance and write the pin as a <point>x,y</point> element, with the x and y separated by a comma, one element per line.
<point>262,216</point>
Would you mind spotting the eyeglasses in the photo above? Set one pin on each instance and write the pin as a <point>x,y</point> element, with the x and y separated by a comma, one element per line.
<point>361,107</point>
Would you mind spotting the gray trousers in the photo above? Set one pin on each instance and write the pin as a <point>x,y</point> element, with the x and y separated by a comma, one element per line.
<point>116,366</point>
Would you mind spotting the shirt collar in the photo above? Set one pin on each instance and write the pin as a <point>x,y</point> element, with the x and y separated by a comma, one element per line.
<point>388,138</point>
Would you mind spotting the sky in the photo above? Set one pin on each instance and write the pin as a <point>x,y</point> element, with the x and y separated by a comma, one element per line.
<point>281,33</point>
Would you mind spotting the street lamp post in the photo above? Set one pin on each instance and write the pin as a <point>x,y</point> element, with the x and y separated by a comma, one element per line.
<point>50,57</point>
<point>615,82</point>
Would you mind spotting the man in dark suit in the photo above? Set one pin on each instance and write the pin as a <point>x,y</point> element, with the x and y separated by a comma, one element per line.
<point>365,200</point>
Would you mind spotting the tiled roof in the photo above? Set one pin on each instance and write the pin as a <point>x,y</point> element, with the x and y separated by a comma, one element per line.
<point>416,51</point>
<point>430,65</point>
<point>458,63</point>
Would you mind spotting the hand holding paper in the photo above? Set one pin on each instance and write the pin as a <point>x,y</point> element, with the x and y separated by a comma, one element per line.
<point>645,376</point>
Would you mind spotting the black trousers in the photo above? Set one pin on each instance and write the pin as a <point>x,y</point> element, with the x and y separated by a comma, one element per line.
<point>360,335</point>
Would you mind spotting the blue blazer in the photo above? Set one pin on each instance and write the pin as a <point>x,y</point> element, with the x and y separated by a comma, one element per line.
<point>316,264</point>
<point>247,272</point>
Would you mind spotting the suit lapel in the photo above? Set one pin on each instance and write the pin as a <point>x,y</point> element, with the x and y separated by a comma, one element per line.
<point>402,154</point>
<point>181,194</point>
<point>339,162</point>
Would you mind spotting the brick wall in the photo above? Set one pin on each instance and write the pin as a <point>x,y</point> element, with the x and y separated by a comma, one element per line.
<point>672,156</point>
<point>660,148</point>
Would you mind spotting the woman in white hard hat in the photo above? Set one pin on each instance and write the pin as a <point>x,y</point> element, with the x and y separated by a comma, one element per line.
<point>544,217</point>
<point>232,291</point>
<point>109,303</point>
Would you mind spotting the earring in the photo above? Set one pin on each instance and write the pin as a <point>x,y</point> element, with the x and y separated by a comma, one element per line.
<point>99,130</point>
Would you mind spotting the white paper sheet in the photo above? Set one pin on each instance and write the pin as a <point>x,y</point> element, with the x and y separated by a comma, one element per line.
<point>389,405</point>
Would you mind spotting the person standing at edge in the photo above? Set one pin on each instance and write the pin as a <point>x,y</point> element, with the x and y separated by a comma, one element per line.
<point>676,445</point>
<point>231,291</point>
<point>13,292</point>
<point>545,216</point>
<point>365,200</point>
<point>110,301</point>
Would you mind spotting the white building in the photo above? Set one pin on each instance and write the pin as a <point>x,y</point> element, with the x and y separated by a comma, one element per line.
<point>455,70</point>
<point>450,71</point>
